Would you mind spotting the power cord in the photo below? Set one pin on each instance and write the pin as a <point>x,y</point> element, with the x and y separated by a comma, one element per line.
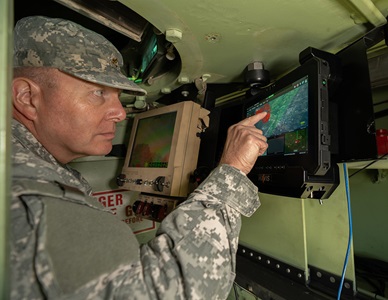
<point>350,232</point>
<point>371,163</point>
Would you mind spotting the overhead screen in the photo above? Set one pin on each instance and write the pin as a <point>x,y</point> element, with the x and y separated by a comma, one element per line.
<point>287,120</point>
<point>298,161</point>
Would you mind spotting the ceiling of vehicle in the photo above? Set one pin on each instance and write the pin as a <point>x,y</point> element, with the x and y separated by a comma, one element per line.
<point>214,41</point>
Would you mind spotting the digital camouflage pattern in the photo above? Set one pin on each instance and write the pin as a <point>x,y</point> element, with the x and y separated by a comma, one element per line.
<point>46,42</point>
<point>193,255</point>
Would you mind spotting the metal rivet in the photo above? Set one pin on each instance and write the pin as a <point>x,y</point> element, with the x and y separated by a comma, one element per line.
<point>213,37</point>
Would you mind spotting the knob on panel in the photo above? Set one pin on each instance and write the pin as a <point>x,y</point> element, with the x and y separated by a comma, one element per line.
<point>159,183</point>
<point>159,212</point>
<point>147,208</point>
<point>138,207</point>
<point>120,180</point>
<point>154,207</point>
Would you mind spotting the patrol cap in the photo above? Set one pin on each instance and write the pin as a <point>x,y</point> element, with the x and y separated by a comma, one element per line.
<point>67,46</point>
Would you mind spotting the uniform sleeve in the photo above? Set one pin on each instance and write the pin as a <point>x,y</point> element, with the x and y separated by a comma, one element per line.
<point>193,254</point>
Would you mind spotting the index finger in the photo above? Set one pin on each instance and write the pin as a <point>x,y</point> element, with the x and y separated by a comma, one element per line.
<point>252,120</point>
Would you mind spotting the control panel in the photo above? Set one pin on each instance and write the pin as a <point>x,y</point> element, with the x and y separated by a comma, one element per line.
<point>154,207</point>
<point>158,184</point>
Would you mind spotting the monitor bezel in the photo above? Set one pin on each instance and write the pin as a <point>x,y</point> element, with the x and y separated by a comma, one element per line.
<point>183,153</point>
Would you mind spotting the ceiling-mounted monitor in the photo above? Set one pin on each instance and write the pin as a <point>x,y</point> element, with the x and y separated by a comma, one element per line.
<point>297,131</point>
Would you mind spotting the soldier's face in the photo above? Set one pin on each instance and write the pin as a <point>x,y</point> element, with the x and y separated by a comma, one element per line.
<point>78,118</point>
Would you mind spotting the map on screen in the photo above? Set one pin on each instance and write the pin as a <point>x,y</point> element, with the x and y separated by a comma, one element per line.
<point>286,122</point>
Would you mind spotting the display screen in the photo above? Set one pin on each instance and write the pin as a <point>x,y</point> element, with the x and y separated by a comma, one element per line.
<point>152,144</point>
<point>149,54</point>
<point>286,122</point>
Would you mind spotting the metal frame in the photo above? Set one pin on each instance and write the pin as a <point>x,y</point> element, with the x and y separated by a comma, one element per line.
<point>6,34</point>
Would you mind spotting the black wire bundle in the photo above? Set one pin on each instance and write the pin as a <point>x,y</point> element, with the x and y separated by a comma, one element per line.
<point>374,272</point>
<point>371,163</point>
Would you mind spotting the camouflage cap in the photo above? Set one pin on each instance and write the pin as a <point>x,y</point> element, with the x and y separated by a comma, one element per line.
<point>57,43</point>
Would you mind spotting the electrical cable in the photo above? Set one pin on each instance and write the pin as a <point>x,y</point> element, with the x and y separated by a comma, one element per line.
<point>381,102</point>
<point>374,272</point>
<point>371,163</point>
<point>372,295</point>
<point>350,231</point>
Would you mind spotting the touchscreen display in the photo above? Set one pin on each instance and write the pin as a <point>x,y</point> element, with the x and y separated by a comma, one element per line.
<point>286,122</point>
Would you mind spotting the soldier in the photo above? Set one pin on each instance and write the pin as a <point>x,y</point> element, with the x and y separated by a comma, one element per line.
<point>65,94</point>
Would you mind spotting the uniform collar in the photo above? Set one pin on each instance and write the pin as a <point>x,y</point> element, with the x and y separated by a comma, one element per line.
<point>31,159</point>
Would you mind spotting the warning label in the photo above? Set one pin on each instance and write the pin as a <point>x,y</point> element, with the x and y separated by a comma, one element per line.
<point>120,203</point>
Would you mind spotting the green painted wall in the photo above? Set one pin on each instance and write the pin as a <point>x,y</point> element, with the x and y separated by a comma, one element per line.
<point>370,214</point>
<point>302,231</point>
<point>6,20</point>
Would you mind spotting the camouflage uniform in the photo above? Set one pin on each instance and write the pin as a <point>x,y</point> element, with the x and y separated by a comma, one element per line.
<point>65,245</point>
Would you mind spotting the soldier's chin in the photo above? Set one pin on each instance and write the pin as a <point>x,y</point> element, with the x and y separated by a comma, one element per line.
<point>103,151</point>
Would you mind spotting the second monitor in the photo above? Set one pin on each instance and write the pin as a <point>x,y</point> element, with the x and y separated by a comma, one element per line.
<point>163,149</point>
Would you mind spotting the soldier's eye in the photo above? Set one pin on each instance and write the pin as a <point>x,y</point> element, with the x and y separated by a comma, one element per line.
<point>99,93</point>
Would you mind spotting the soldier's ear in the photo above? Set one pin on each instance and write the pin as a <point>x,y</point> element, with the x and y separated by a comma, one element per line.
<point>26,95</point>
